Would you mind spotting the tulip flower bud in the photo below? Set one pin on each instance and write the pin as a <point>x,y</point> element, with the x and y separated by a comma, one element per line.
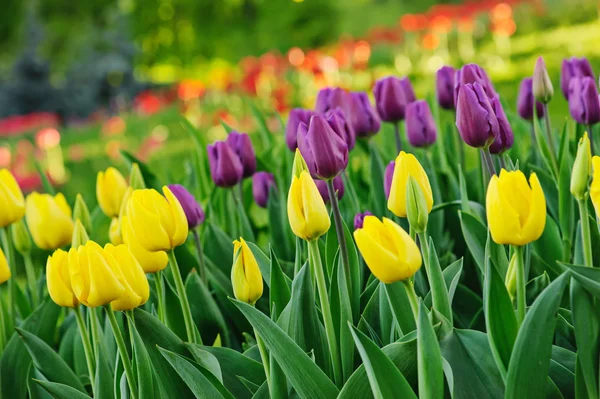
<point>595,186</point>
<point>542,86</point>
<point>471,74</point>
<point>136,178</point>
<point>407,165</point>
<point>340,124</point>
<point>475,118</point>
<point>307,213</point>
<point>21,237</point>
<point>49,220</point>
<point>525,101</point>
<point>389,176</point>
<point>416,206</point>
<point>582,169</point>
<point>444,84</point>
<point>297,116</point>
<point>246,278</point>
<point>81,212</point>
<point>226,168</point>
<point>420,126</point>
<point>359,219</point>
<point>110,189</point>
<point>584,105</point>
<point>367,121</point>
<point>241,144</point>
<point>130,274</point>
<point>58,279</point>
<point>505,138</point>
<point>114,232</point>
<point>388,250</point>
<point>510,280</point>
<point>338,186</point>
<point>80,236</point>
<point>391,98</point>
<point>4,269</point>
<point>299,164</point>
<point>262,184</point>
<point>192,209</point>
<point>11,198</point>
<point>574,68</point>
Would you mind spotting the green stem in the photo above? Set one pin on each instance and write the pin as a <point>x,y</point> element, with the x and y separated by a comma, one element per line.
<point>122,351</point>
<point>183,300</point>
<point>353,195</point>
<point>87,346</point>
<point>10,259</point>
<point>313,248</point>
<point>489,162</point>
<point>521,281</point>
<point>202,266</point>
<point>2,325</point>
<point>94,330</point>
<point>265,357</point>
<point>160,296</point>
<point>549,135</point>
<point>585,232</point>
<point>412,298</point>
<point>424,250</point>
<point>339,229</point>
<point>31,279</point>
<point>397,135</point>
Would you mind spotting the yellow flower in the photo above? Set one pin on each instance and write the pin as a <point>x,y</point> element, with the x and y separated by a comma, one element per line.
<point>4,269</point>
<point>110,189</point>
<point>387,249</point>
<point>130,274</point>
<point>307,213</point>
<point>407,165</point>
<point>158,223</point>
<point>95,279</point>
<point>151,262</point>
<point>245,274</point>
<point>516,212</point>
<point>49,220</point>
<point>58,280</point>
<point>12,203</point>
<point>114,232</point>
<point>595,186</point>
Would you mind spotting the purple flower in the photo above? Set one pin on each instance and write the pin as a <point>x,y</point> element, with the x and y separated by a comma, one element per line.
<point>473,73</point>
<point>296,116</point>
<point>367,120</point>
<point>338,186</point>
<point>475,119</point>
<point>192,209</point>
<point>420,126</point>
<point>574,68</point>
<point>262,182</point>
<point>324,149</point>
<point>331,98</point>
<point>391,98</point>
<point>240,143</point>
<point>444,85</point>
<point>583,101</point>
<point>360,218</point>
<point>505,138</point>
<point>340,124</point>
<point>409,92</point>
<point>525,101</point>
<point>389,176</point>
<point>225,166</point>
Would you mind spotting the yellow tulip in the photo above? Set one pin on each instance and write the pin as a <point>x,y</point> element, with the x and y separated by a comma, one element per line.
<point>388,250</point>
<point>110,189</point>
<point>94,278</point>
<point>49,220</point>
<point>595,186</point>
<point>4,269</point>
<point>130,274</point>
<point>516,212</point>
<point>58,279</point>
<point>114,232</point>
<point>307,213</point>
<point>245,274</point>
<point>151,261</point>
<point>407,165</point>
<point>12,203</point>
<point>158,223</point>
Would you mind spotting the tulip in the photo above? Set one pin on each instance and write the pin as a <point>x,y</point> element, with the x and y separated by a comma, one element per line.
<point>475,118</point>
<point>505,138</point>
<point>420,126</point>
<point>21,237</point>
<point>163,217</point>
<point>417,211</point>
<point>359,219</point>
<point>388,250</point>
<point>49,220</point>
<point>574,68</point>
<point>542,86</point>
<point>58,279</point>
<point>338,186</point>
<point>471,74</point>
<point>340,124</point>
<point>389,176</point>
<point>444,85</point>
<point>525,101</point>
<point>151,262</point>
<point>114,232</point>
<point>582,169</point>
<point>11,199</point>
<point>583,101</point>
<point>367,120</point>
<point>595,186</point>
<point>307,213</point>
<point>130,274</point>
<point>110,189</point>
<point>226,168</point>
<point>516,211</point>
<point>331,98</point>
<point>409,92</point>
<point>407,165</point>
<point>192,209</point>
<point>262,184</point>
<point>246,278</point>
<point>323,148</point>
<point>297,116</point>
<point>391,98</point>
<point>241,144</point>
<point>4,269</point>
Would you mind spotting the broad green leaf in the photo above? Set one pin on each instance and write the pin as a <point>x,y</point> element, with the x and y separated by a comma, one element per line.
<point>61,391</point>
<point>497,254</point>
<point>431,375</point>
<point>280,294</point>
<point>206,360</point>
<point>549,246</point>
<point>142,364</point>
<point>344,336</point>
<point>566,202</point>
<point>548,157</point>
<point>588,277</point>
<point>439,290</point>
<point>205,311</point>
<point>475,234</point>
<point>245,228</point>
<point>400,306</point>
<point>103,385</point>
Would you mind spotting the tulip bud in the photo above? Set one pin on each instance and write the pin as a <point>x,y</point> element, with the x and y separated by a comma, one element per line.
<point>416,206</point>
<point>241,144</point>
<point>81,212</point>
<point>297,116</point>
<point>58,279</point>
<point>574,68</point>
<point>80,236</point>
<point>114,232</point>
<point>359,219</point>
<point>338,187</point>
<point>110,189</point>
<point>136,178</point>
<point>11,198</point>
<point>246,278</point>
<point>582,169</point>
<point>584,105</point>
<point>367,121</point>
<point>542,86</point>
<point>323,148</point>
<point>389,176</point>
<point>130,274</point>
<point>475,118</point>
<point>49,220</point>
<point>262,184</point>
<point>4,269</point>
<point>226,168</point>
<point>307,213</point>
<point>193,211</point>
<point>444,84</point>
<point>407,165</point>
<point>21,237</point>
<point>510,280</point>
<point>420,126</point>
<point>471,74</point>
<point>299,164</point>
<point>391,98</point>
<point>595,186</point>
<point>525,101</point>
<point>505,138</point>
<point>340,124</point>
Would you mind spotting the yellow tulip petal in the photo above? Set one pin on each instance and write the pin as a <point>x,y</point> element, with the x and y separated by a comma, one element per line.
<point>145,222</point>
<point>4,269</point>
<point>503,220</point>
<point>408,251</point>
<point>595,186</point>
<point>513,189</point>
<point>12,202</point>
<point>151,262</point>
<point>49,220</point>
<point>536,221</point>
<point>181,225</point>
<point>382,263</point>
<point>295,209</point>
<point>58,280</point>
<point>110,189</point>
<point>315,211</point>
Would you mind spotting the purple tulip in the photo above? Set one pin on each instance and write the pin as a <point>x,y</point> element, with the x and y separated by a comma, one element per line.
<point>367,120</point>
<point>409,92</point>
<point>225,166</point>
<point>391,98</point>
<point>338,121</point>
<point>475,118</point>
<point>296,116</point>
<point>262,182</point>
<point>331,98</point>
<point>472,73</point>
<point>574,68</point>
<point>241,144</point>
<point>505,138</point>
<point>420,126</point>
<point>192,209</point>
<point>525,101</point>
<point>338,186</point>
<point>583,101</point>
<point>389,176</point>
<point>444,84</point>
<point>360,218</point>
<point>324,149</point>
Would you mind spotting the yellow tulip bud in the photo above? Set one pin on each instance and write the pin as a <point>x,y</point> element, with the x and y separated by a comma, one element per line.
<point>21,237</point>
<point>80,236</point>
<point>151,262</point>
<point>307,213</point>
<point>81,212</point>
<point>49,220</point>
<point>416,206</point>
<point>595,186</point>
<point>94,279</point>
<point>245,274</point>
<point>11,199</point>
<point>510,281</point>
<point>582,168</point>
<point>516,212</point>
<point>388,250</point>
<point>58,279</point>
<point>110,189</point>
<point>114,232</point>
<point>136,179</point>
<point>4,269</point>
<point>130,274</point>
<point>407,165</point>
<point>148,211</point>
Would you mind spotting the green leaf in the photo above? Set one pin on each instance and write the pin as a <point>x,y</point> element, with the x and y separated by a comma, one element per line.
<point>142,364</point>
<point>588,277</point>
<point>475,234</point>
<point>566,203</point>
<point>264,263</point>
<point>400,305</point>
<point>227,128</point>
<point>439,290</point>
<point>549,246</point>
<point>378,200</point>
<point>529,363</point>
<point>61,391</point>
<point>149,177</point>
<point>245,228</point>
<point>206,359</point>
<point>280,294</point>
<point>549,158</point>
<point>278,222</point>
<point>431,375</point>
<point>347,350</point>
<point>497,255</point>
<point>103,385</point>
<point>48,187</point>
<point>205,311</point>
<point>262,126</point>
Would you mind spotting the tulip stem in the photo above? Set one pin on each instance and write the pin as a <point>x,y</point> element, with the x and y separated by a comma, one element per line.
<point>489,162</point>
<point>424,250</point>
<point>31,279</point>
<point>341,236</point>
<point>502,161</point>
<point>397,135</point>
<point>87,346</point>
<point>313,248</point>
<point>10,259</point>
<point>412,297</point>
<point>94,330</point>
<point>590,128</point>
<point>549,132</point>
<point>585,232</point>
<point>160,296</point>
<point>122,351</point>
<point>2,325</point>
<point>202,265</point>
<point>521,298</point>
<point>183,300</point>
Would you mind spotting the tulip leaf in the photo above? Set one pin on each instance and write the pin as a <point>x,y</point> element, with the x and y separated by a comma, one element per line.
<point>200,156</point>
<point>264,263</point>
<point>149,177</point>
<point>378,199</point>
<point>280,294</point>
<point>205,311</point>
<point>588,277</point>
<point>306,377</point>
<point>227,128</point>
<point>142,364</point>
<point>244,226</point>
<point>497,254</point>
<point>566,202</point>
<point>549,158</point>
<point>439,290</point>
<point>400,306</point>
<point>431,375</point>
<point>61,391</point>
<point>550,188</point>
<point>475,234</point>
<point>103,385</point>
<point>218,247</point>
<point>265,135</point>
<point>278,222</point>
<point>341,310</point>
<point>206,360</point>
<point>530,361</point>
<point>549,246</point>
